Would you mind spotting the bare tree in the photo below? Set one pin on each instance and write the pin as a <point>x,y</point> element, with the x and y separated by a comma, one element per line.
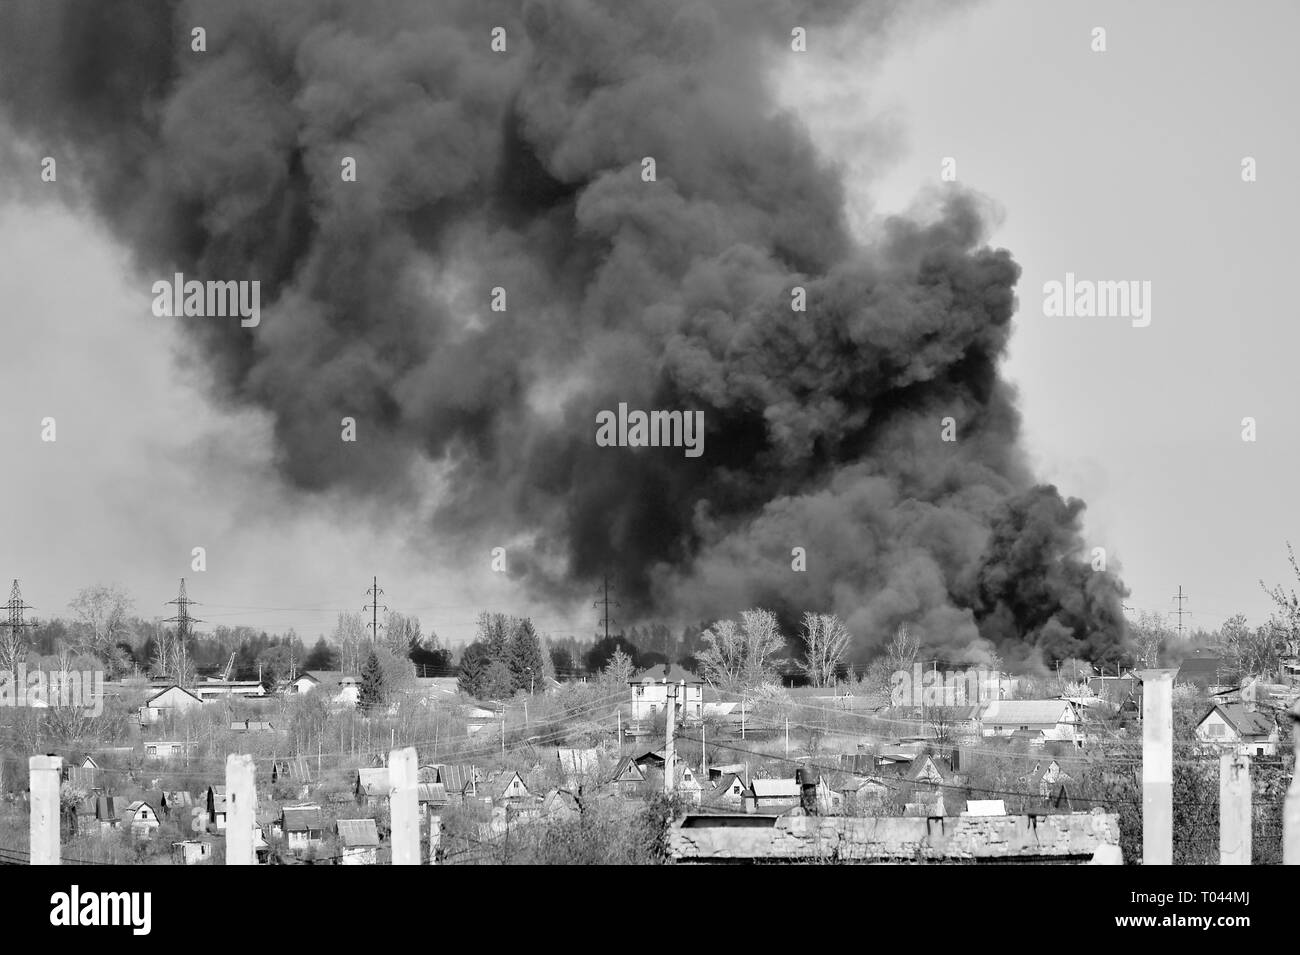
<point>1148,637</point>
<point>901,651</point>
<point>738,655</point>
<point>102,621</point>
<point>825,641</point>
<point>350,635</point>
<point>1285,622</point>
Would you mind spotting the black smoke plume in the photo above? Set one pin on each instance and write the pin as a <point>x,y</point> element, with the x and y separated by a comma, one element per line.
<point>522,170</point>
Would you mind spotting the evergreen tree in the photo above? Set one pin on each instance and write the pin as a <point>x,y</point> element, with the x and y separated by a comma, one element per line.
<point>322,657</point>
<point>524,656</point>
<point>474,662</point>
<point>372,682</point>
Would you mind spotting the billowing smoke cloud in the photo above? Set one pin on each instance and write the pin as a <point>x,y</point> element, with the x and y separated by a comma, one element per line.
<point>523,170</point>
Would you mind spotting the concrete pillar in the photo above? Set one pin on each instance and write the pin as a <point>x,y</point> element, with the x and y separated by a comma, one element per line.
<point>1291,808</point>
<point>44,772</point>
<point>404,805</point>
<point>435,838</point>
<point>241,809</point>
<point>1157,766</point>
<point>1234,809</point>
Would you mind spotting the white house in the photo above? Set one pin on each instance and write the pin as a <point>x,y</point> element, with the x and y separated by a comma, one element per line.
<point>340,687</point>
<point>1055,719</point>
<point>166,749</point>
<point>1240,726</point>
<point>359,841</point>
<point>650,693</point>
<point>141,817</point>
<point>303,827</point>
<point>170,701</point>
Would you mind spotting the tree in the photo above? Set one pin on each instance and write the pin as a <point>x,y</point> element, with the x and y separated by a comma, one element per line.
<point>322,657</point>
<point>825,640</point>
<point>901,652</point>
<point>474,661</point>
<point>102,613</point>
<point>1257,652</point>
<point>1286,619</point>
<point>350,637</point>
<point>524,656</point>
<point>739,655</point>
<point>1148,638</point>
<point>372,683</point>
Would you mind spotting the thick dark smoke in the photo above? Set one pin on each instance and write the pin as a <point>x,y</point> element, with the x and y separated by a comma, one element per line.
<point>523,170</point>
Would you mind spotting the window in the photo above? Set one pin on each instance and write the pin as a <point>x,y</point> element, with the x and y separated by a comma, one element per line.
<point>1259,751</point>
<point>151,750</point>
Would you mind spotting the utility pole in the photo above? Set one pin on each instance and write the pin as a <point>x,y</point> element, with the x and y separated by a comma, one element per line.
<point>374,608</point>
<point>605,602</point>
<point>1180,611</point>
<point>15,625</point>
<point>184,628</point>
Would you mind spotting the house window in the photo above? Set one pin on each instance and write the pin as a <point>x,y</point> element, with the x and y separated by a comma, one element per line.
<point>1259,751</point>
<point>151,750</point>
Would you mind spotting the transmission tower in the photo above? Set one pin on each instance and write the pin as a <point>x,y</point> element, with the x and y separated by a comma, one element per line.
<point>374,607</point>
<point>14,619</point>
<point>1180,611</point>
<point>606,603</point>
<point>184,627</point>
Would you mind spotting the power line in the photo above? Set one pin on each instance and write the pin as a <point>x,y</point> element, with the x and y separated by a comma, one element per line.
<point>374,593</point>
<point>1180,598</point>
<point>606,602</point>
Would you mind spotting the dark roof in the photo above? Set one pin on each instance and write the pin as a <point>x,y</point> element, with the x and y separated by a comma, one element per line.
<point>302,818</point>
<point>1245,721</point>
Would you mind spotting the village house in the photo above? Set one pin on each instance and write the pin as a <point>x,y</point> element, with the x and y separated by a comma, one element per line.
<point>171,701</point>
<point>728,790</point>
<point>207,690</point>
<point>358,842</point>
<point>650,693</point>
<point>1053,719</point>
<point>191,851</point>
<point>166,749</point>
<point>461,781</point>
<point>338,686</point>
<point>141,818</point>
<point>558,805</point>
<point>372,787</point>
<point>771,796</point>
<point>303,827</point>
<point>217,808</point>
<point>1240,726</point>
<point>505,786</point>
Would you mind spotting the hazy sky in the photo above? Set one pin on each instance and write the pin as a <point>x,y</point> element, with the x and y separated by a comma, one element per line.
<point>1115,166</point>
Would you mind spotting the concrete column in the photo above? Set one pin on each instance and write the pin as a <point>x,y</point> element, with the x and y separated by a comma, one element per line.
<point>435,838</point>
<point>241,809</point>
<point>1291,808</point>
<point>404,805</point>
<point>1157,766</point>
<point>44,772</point>
<point>1234,809</point>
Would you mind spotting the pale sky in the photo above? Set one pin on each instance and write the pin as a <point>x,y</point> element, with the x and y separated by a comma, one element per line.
<point>1115,166</point>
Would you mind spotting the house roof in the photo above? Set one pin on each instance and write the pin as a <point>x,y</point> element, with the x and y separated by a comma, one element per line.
<point>432,793</point>
<point>498,785</point>
<point>358,833</point>
<point>1246,722</point>
<point>374,782</point>
<point>1026,711</point>
<point>168,689</point>
<point>578,762</point>
<point>459,777</point>
<point>774,788</point>
<point>302,818</point>
<point>665,673</point>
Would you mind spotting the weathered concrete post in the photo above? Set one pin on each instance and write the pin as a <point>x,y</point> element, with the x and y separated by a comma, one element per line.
<point>435,838</point>
<point>241,810</point>
<point>404,805</point>
<point>1291,809</point>
<point>44,772</point>
<point>1234,809</point>
<point>1157,766</point>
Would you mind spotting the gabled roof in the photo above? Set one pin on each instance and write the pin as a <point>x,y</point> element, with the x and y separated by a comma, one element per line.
<point>358,833</point>
<point>629,770</point>
<point>302,818</point>
<point>498,785</point>
<point>1246,722</point>
<point>374,782</point>
<point>458,777</point>
<point>433,794</point>
<point>667,672</point>
<point>168,689</point>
